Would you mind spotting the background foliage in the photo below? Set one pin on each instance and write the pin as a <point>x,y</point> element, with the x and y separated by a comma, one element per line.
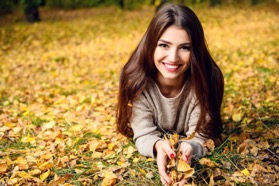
<point>58,88</point>
<point>8,6</point>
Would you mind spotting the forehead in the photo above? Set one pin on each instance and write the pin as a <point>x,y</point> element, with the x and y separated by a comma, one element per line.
<point>175,34</point>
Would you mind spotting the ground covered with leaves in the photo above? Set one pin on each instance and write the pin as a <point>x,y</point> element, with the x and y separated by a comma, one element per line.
<point>58,88</point>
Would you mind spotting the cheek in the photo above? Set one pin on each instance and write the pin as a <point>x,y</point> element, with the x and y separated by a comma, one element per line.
<point>186,57</point>
<point>158,54</point>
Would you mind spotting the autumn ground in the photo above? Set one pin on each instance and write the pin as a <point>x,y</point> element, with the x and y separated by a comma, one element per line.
<point>58,88</point>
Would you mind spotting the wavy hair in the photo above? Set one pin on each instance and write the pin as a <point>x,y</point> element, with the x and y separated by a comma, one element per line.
<point>206,78</point>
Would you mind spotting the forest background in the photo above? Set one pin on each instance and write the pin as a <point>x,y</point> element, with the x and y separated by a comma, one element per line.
<point>59,84</point>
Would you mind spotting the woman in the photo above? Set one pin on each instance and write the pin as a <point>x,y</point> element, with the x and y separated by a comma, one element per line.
<point>171,84</point>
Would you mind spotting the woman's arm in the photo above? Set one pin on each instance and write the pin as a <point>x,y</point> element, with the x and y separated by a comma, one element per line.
<point>145,131</point>
<point>196,150</point>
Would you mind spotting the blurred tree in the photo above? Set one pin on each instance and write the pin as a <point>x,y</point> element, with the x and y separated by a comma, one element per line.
<point>215,2</point>
<point>121,4</point>
<point>6,7</point>
<point>255,2</point>
<point>161,4</point>
<point>31,9</point>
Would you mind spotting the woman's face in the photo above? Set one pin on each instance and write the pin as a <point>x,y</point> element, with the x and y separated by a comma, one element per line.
<point>172,54</point>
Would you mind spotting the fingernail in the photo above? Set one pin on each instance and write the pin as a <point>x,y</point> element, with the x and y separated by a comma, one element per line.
<point>172,155</point>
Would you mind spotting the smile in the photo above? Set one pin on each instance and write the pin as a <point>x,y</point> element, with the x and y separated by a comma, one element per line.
<point>171,68</point>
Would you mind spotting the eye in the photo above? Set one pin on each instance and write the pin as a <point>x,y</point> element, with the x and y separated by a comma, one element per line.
<point>163,45</point>
<point>185,47</point>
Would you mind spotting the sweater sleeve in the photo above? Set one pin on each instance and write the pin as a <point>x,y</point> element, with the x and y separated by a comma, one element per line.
<point>145,131</point>
<point>196,142</point>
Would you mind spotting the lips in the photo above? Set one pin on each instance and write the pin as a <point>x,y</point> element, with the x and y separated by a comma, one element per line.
<point>171,68</point>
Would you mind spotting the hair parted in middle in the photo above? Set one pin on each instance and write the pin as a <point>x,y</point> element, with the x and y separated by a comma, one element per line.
<point>205,76</point>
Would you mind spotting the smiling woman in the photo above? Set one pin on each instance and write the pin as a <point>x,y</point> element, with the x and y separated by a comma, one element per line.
<point>172,59</point>
<point>171,84</point>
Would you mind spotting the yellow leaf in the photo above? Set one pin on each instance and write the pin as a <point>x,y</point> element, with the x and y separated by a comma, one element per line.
<point>133,172</point>
<point>143,171</point>
<point>208,162</point>
<point>182,166</point>
<point>23,174</point>
<point>96,177</point>
<point>109,178</point>
<point>10,125</point>
<point>191,136</point>
<point>245,172</point>
<point>76,128</point>
<point>150,160</point>
<point>59,181</point>
<point>46,156</point>
<point>46,165</point>
<point>35,172</point>
<point>135,160</point>
<point>3,167</point>
<point>21,163</point>
<point>97,155</point>
<point>96,144</point>
<point>45,175</point>
<point>112,146</point>
<point>237,117</point>
<point>130,150</point>
<point>211,180</point>
<point>28,139</point>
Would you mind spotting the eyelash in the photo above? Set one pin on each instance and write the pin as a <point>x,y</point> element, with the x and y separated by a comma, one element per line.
<point>185,47</point>
<point>165,46</point>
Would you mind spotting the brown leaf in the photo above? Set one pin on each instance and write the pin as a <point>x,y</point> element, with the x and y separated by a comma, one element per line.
<point>109,178</point>
<point>209,144</point>
<point>208,162</point>
<point>3,167</point>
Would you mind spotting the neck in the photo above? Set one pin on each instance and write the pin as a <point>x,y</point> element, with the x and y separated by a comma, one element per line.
<point>170,88</point>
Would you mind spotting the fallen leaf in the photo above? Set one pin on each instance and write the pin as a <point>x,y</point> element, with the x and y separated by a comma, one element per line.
<point>237,117</point>
<point>245,172</point>
<point>208,162</point>
<point>45,175</point>
<point>109,178</point>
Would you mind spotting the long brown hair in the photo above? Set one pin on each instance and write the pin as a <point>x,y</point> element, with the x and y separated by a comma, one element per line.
<point>206,78</point>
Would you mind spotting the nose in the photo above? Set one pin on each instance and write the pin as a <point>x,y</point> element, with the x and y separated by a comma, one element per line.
<point>173,55</point>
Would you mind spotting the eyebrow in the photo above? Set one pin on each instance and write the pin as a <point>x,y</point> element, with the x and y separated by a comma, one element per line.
<point>188,43</point>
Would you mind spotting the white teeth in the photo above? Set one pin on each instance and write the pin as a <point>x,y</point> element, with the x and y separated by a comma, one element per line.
<point>171,66</point>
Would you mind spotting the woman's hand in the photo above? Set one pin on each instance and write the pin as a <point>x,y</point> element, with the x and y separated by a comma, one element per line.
<point>164,151</point>
<point>186,151</point>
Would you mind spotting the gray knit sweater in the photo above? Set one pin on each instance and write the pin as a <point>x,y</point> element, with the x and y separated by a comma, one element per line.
<point>153,115</point>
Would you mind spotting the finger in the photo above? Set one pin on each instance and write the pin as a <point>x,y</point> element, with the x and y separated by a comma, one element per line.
<point>186,151</point>
<point>162,163</point>
<point>184,181</point>
<point>169,151</point>
<point>165,179</point>
<point>187,158</point>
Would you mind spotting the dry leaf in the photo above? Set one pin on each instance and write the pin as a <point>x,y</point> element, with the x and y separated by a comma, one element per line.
<point>245,172</point>
<point>209,144</point>
<point>3,167</point>
<point>109,178</point>
<point>237,117</point>
<point>45,175</point>
<point>208,162</point>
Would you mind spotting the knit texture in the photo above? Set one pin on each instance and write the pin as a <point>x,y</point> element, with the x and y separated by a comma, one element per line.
<point>154,115</point>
